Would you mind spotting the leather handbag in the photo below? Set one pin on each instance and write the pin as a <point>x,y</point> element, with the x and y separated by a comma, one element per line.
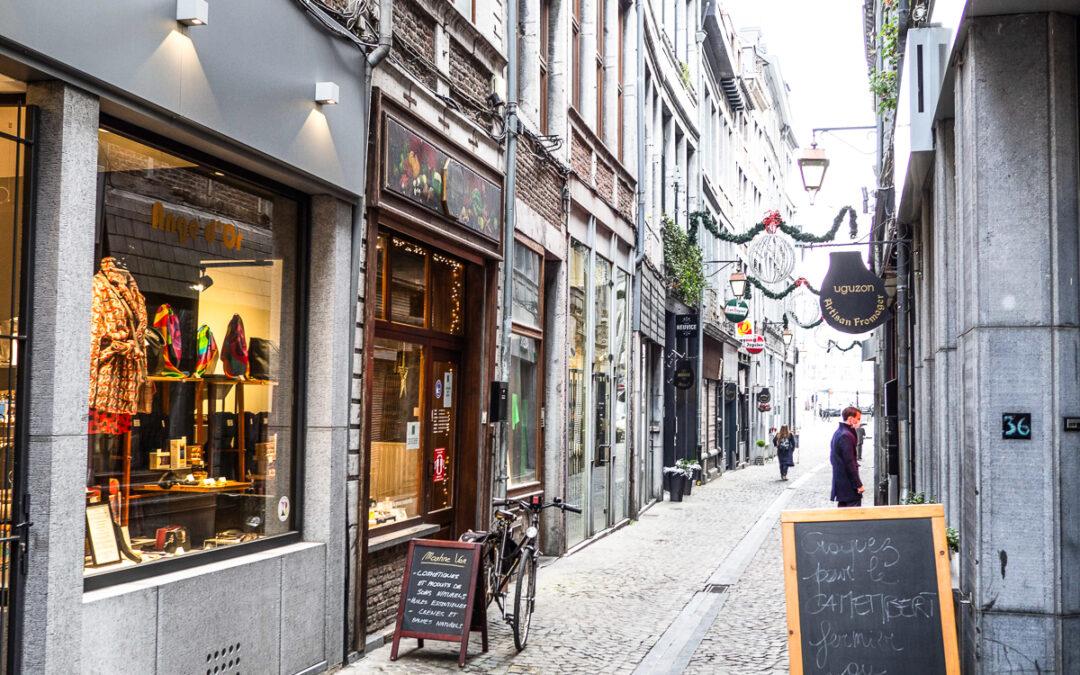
<point>167,325</point>
<point>206,352</point>
<point>234,350</point>
<point>155,351</point>
<point>262,355</point>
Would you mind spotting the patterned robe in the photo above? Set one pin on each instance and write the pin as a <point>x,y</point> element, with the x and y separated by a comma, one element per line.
<point>117,347</point>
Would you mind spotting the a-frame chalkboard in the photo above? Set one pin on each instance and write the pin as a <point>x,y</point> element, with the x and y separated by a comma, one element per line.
<point>868,591</point>
<point>440,595</point>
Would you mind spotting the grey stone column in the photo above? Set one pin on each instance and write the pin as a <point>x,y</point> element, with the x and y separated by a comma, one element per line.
<point>1018,345</point>
<point>556,348</point>
<point>329,377</point>
<point>59,374</point>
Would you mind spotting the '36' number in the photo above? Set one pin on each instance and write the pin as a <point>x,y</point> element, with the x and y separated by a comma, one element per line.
<point>1016,425</point>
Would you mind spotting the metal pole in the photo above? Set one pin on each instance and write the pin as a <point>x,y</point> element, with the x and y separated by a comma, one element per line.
<point>902,370</point>
<point>513,33</point>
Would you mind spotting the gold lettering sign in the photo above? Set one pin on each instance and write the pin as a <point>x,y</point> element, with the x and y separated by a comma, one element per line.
<point>187,229</point>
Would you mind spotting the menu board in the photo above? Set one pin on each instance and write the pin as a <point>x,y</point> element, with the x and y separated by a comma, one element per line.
<point>868,590</point>
<point>438,593</point>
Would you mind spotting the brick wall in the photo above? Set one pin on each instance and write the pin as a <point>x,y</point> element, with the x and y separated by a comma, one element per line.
<point>581,158</point>
<point>385,570</point>
<point>605,181</point>
<point>541,186</point>
<point>626,201</point>
<point>467,74</point>
<point>414,42</point>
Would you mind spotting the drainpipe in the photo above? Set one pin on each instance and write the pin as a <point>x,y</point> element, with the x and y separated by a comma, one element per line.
<point>902,366</point>
<point>509,191</point>
<point>641,439</point>
<point>359,223</point>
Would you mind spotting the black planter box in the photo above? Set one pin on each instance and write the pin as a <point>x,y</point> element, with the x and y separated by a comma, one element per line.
<point>678,486</point>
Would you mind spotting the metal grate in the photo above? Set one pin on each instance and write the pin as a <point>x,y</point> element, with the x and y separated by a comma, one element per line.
<point>224,660</point>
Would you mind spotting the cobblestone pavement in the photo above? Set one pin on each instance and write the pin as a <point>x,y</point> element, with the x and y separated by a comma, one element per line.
<point>603,608</point>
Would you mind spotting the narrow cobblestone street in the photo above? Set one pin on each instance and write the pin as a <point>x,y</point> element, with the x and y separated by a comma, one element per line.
<point>606,608</point>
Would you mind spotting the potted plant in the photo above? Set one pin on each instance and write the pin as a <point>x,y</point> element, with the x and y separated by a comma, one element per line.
<point>692,469</point>
<point>761,443</point>
<point>677,481</point>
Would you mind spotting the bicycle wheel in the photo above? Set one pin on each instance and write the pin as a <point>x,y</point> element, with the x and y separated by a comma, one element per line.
<point>524,598</point>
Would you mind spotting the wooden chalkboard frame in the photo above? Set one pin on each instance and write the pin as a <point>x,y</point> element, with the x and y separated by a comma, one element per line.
<point>477,613</point>
<point>934,512</point>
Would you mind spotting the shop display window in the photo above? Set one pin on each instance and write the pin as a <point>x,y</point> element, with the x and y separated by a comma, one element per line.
<point>395,432</point>
<point>524,408</point>
<point>192,388</point>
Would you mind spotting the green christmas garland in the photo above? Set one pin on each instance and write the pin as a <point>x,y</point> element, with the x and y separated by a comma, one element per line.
<point>778,295</point>
<point>771,219</point>
<point>851,346</point>
<point>800,324</point>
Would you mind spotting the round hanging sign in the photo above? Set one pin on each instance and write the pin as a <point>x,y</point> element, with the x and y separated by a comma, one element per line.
<point>684,374</point>
<point>764,396</point>
<point>772,258</point>
<point>764,407</point>
<point>753,344</point>
<point>744,328</point>
<point>735,310</point>
<point>853,300</point>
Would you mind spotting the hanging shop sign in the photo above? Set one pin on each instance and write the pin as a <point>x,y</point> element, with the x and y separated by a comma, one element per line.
<point>426,175</point>
<point>735,310</point>
<point>764,407</point>
<point>686,325</point>
<point>764,396</point>
<point>753,344</point>
<point>684,374</point>
<point>731,391</point>
<point>744,328</point>
<point>852,298</point>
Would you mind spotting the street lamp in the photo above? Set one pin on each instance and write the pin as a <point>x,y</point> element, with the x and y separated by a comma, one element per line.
<point>738,283</point>
<point>787,336</point>
<point>812,166</point>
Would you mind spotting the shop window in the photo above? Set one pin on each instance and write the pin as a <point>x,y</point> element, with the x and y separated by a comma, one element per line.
<point>578,371</point>
<point>524,408</point>
<point>395,432</point>
<point>415,377</point>
<point>192,379</point>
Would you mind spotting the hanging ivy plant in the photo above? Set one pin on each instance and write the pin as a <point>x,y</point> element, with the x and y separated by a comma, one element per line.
<point>683,267</point>
<point>884,78</point>
<point>772,220</point>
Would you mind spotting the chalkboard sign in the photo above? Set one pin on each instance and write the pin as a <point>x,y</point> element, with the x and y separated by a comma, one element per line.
<point>868,591</point>
<point>439,595</point>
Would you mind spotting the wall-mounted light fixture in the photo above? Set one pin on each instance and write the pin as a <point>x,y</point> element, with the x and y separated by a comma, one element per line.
<point>327,93</point>
<point>193,12</point>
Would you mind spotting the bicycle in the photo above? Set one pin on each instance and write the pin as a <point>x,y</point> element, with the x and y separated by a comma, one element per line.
<point>506,557</point>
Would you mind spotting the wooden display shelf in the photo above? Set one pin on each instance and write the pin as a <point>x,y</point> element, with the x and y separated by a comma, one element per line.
<point>182,487</point>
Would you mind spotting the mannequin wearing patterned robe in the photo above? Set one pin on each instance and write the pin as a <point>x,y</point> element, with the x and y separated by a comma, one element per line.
<point>117,349</point>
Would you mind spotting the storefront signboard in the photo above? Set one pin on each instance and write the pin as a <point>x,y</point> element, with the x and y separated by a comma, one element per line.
<point>440,599</point>
<point>744,328</point>
<point>764,396</point>
<point>686,324</point>
<point>753,344</point>
<point>879,559</point>
<point>853,300</point>
<point>684,374</point>
<point>736,310</point>
<point>424,174</point>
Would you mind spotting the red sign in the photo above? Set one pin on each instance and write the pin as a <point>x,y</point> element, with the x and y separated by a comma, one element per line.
<point>754,344</point>
<point>440,465</point>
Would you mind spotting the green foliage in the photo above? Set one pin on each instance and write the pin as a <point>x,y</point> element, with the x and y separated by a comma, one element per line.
<point>683,267</point>
<point>761,443</point>
<point>884,80</point>
<point>953,537</point>
<point>917,498</point>
<point>684,73</point>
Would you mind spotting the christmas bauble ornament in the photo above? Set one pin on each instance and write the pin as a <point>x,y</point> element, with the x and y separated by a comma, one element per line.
<point>735,310</point>
<point>772,257</point>
<point>805,306</point>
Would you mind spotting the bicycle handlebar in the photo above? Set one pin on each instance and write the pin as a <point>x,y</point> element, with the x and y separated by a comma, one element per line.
<point>556,503</point>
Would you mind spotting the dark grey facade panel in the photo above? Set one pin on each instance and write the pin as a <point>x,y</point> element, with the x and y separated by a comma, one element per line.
<point>248,75</point>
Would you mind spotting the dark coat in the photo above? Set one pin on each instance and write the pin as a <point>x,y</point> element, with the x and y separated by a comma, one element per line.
<point>845,465</point>
<point>785,451</point>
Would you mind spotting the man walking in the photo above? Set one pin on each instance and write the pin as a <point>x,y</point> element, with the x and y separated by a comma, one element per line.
<point>847,488</point>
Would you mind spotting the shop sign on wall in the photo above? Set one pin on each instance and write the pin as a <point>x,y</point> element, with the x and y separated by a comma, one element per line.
<point>1016,426</point>
<point>686,324</point>
<point>426,175</point>
<point>853,300</point>
<point>187,228</point>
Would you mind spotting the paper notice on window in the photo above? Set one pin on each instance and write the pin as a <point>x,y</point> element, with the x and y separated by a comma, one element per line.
<point>412,436</point>
<point>448,388</point>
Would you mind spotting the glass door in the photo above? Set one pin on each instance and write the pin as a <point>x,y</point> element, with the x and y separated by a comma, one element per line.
<point>441,446</point>
<point>16,233</point>
<point>602,379</point>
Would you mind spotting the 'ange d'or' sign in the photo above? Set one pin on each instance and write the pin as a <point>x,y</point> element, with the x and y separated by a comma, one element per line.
<point>853,300</point>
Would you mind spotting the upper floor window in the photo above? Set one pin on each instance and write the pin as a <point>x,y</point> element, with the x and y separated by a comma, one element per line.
<point>601,55</point>
<point>622,79</point>
<point>575,48</point>
<point>545,50</point>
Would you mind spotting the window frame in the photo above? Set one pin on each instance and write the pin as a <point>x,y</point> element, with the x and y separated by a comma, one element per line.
<point>575,55</point>
<point>544,66</point>
<point>601,59</point>
<point>620,104</point>
<point>536,333</point>
<point>158,568</point>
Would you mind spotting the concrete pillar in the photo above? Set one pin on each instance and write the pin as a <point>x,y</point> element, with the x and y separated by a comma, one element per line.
<point>59,374</point>
<point>555,455</point>
<point>327,499</point>
<point>1019,341</point>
